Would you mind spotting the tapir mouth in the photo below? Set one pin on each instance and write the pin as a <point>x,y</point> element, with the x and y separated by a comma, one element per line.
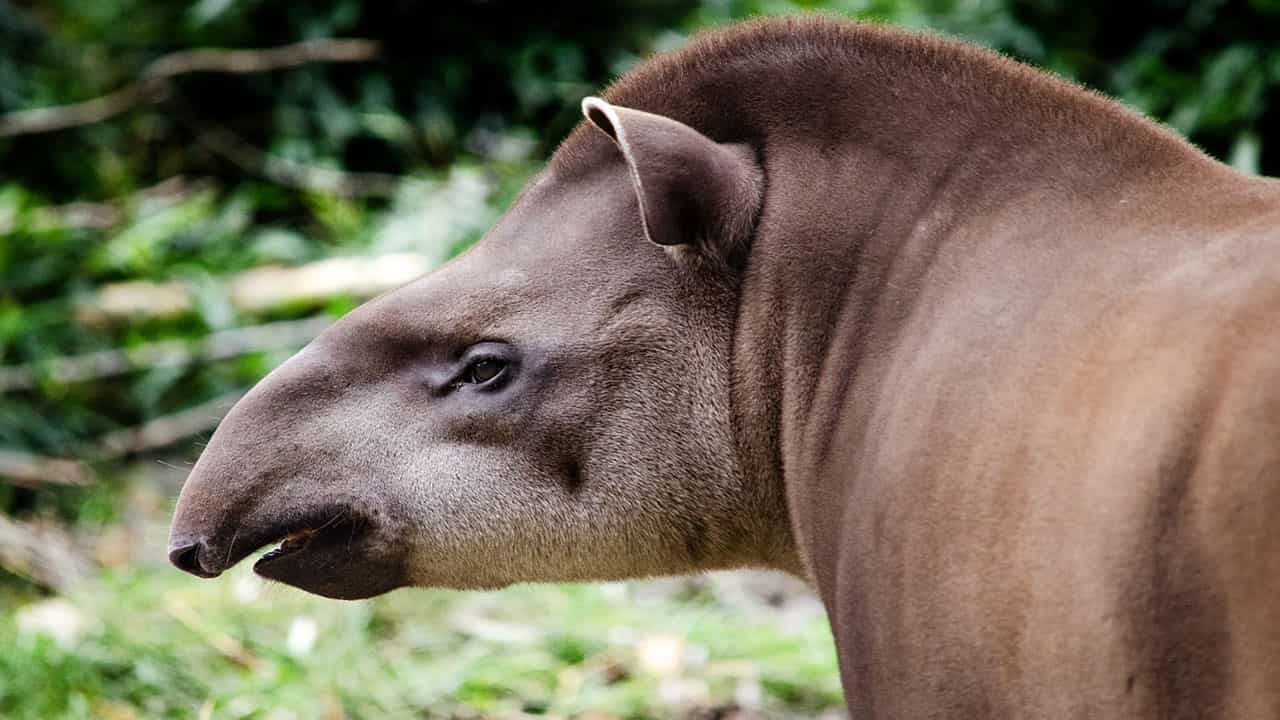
<point>338,550</point>
<point>343,528</point>
<point>293,542</point>
<point>293,535</point>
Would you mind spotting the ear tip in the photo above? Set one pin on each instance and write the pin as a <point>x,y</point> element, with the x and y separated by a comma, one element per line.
<point>591,102</point>
<point>604,116</point>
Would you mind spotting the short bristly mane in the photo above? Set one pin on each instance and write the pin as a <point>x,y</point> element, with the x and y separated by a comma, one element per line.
<point>739,84</point>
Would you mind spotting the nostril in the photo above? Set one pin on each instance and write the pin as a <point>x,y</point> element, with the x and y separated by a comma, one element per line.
<point>187,558</point>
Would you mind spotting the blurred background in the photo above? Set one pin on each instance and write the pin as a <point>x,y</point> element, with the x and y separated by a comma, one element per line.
<point>190,191</point>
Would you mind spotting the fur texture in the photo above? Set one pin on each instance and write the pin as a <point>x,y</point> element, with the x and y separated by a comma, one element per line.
<point>990,360</point>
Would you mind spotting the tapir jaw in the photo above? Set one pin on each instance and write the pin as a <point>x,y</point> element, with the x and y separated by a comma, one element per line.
<point>269,475</point>
<point>345,559</point>
<point>337,550</point>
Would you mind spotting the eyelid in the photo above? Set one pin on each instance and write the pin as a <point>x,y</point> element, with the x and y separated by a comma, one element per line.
<point>487,349</point>
<point>480,352</point>
<point>461,381</point>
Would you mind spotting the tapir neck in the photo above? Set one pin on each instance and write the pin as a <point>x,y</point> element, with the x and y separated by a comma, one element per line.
<point>893,164</point>
<point>876,205</point>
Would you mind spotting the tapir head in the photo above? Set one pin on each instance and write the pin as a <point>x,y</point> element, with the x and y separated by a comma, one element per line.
<point>553,405</point>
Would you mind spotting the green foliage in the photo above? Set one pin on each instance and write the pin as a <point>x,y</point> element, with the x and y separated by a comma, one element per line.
<point>1210,68</point>
<point>559,651</point>
<point>461,108</point>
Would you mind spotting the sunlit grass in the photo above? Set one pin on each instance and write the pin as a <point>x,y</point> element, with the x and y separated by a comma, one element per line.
<point>158,645</point>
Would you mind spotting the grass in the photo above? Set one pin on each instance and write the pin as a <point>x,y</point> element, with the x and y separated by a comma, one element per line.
<point>159,645</point>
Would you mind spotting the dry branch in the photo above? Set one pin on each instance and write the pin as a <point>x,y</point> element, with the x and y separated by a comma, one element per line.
<point>34,470</point>
<point>42,120</point>
<point>226,645</point>
<point>263,288</point>
<point>43,553</point>
<point>83,215</point>
<point>154,83</point>
<point>219,345</point>
<point>291,174</point>
<point>218,60</point>
<point>165,430</point>
<point>27,470</point>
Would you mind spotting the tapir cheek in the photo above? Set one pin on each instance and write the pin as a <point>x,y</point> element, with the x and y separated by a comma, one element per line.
<point>511,417</point>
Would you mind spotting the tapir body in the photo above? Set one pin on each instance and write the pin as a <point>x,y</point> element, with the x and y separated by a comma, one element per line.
<point>991,361</point>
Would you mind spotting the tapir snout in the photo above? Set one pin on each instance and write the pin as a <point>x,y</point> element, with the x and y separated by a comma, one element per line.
<point>271,475</point>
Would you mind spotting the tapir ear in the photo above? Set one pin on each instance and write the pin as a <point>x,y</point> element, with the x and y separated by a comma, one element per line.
<point>693,191</point>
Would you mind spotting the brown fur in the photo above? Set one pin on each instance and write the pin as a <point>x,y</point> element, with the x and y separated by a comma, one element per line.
<point>997,369</point>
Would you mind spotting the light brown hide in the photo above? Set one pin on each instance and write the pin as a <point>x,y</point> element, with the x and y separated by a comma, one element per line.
<point>990,360</point>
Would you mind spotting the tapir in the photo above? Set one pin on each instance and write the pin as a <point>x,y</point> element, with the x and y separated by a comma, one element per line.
<point>989,360</point>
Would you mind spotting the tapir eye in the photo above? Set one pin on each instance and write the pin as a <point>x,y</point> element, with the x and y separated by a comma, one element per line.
<point>484,370</point>
<point>487,366</point>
